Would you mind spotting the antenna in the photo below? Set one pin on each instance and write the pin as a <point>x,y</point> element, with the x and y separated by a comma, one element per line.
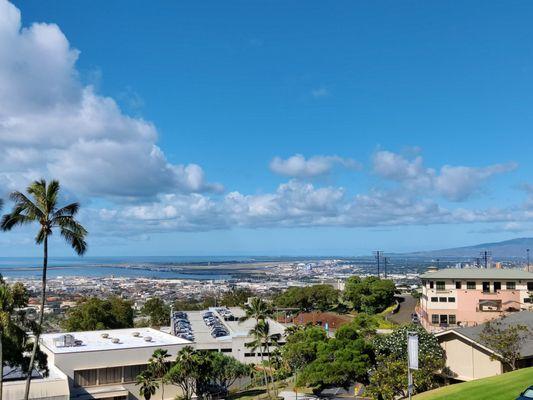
<point>378,254</point>
<point>485,255</point>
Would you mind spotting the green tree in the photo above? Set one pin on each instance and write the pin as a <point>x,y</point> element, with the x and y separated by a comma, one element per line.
<point>301,346</point>
<point>225,370</point>
<point>157,310</point>
<point>340,361</point>
<point>183,372</point>
<point>95,314</point>
<point>505,339</point>
<point>40,206</point>
<point>262,340</point>
<point>236,298</point>
<point>257,309</point>
<point>391,363</point>
<point>317,297</point>
<point>148,384</point>
<point>370,295</point>
<point>158,365</point>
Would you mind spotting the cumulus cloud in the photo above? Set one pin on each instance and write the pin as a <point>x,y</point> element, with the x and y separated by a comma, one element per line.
<point>297,166</point>
<point>455,183</point>
<point>54,126</point>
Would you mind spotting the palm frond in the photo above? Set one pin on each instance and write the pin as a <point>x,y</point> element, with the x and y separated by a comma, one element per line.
<point>41,235</point>
<point>26,205</point>
<point>75,240</point>
<point>9,221</point>
<point>52,193</point>
<point>38,190</point>
<point>69,223</point>
<point>67,211</point>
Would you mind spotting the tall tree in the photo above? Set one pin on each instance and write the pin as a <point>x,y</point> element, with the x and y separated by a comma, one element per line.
<point>94,313</point>
<point>40,205</point>
<point>157,310</point>
<point>505,339</point>
<point>262,339</point>
<point>257,309</point>
<point>148,384</point>
<point>158,364</point>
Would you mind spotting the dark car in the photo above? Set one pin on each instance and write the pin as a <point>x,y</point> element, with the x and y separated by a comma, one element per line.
<point>526,394</point>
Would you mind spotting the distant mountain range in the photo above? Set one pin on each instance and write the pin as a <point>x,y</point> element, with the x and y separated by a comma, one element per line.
<point>514,248</point>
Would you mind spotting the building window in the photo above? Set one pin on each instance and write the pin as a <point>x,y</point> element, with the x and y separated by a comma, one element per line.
<point>435,299</point>
<point>86,377</point>
<point>527,300</point>
<point>435,319</point>
<point>497,286</point>
<point>441,285</point>
<point>530,286</point>
<point>486,287</point>
<point>226,350</point>
<point>443,299</point>
<point>451,299</point>
<point>249,354</point>
<point>510,285</point>
<point>431,284</point>
<point>458,285</point>
<point>451,319</point>
<point>131,372</point>
<point>471,285</point>
<point>443,319</point>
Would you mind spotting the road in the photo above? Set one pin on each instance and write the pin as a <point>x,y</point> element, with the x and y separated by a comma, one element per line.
<point>407,307</point>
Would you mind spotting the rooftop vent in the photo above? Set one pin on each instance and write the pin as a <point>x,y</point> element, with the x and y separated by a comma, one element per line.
<point>115,340</point>
<point>67,340</point>
<point>147,338</point>
<point>105,335</point>
<point>136,334</point>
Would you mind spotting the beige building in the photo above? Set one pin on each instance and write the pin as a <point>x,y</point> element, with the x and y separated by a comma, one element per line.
<point>97,365</point>
<point>467,358</point>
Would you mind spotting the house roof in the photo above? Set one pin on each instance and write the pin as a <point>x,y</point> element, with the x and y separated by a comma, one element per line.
<point>519,318</point>
<point>478,273</point>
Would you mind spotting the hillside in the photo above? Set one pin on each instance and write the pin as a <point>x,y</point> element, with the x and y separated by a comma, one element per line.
<point>503,387</point>
<point>514,248</point>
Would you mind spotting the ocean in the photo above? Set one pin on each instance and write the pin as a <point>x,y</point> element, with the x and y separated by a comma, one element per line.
<point>177,267</point>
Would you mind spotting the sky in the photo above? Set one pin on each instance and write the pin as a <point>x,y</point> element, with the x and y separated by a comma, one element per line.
<point>271,127</point>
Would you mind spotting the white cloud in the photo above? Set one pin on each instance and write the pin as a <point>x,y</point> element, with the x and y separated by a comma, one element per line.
<point>53,125</point>
<point>297,166</point>
<point>455,183</point>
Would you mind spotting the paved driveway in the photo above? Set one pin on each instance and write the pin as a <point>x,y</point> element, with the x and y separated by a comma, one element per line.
<point>407,307</point>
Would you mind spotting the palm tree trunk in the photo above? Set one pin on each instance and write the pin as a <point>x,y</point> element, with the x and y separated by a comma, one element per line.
<point>162,390</point>
<point>41,317</point>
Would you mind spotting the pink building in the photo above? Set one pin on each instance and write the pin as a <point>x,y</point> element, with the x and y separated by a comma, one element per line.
<point>468,297</point>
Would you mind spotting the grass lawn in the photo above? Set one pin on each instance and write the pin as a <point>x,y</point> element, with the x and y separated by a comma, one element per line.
<point>502,387</point>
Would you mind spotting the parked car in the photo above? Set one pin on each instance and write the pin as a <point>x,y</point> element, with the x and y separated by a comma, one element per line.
<point>526,394</point>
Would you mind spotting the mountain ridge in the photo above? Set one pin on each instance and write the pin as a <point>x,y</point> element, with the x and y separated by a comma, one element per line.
<point>512,248</point>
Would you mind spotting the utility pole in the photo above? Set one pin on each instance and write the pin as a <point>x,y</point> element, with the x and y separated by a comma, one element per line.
<point>438,263</point>
<point>385,261</point>
<point>527,252</point>
<point>378,254</point>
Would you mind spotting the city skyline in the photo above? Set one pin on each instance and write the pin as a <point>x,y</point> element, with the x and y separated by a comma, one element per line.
<point>271,129</point>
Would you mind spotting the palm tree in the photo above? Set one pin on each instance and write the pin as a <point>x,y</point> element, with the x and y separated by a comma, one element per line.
<point>261,341</point>
<point>6,301</point>
<point>40,205</point>
<point>159,367</point>
<point>257,309</point>
<point>148,384</point>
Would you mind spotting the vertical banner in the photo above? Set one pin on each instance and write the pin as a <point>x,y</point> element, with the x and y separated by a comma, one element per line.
<point>412,350</point>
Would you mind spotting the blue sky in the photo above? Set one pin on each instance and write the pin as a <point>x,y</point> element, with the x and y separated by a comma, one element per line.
<point>400,126</point>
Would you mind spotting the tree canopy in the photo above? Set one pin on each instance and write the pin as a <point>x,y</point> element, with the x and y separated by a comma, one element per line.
<point>370,295</point>
<point>317,297</point>
<point>387,379</point>
<point>94,313</point>
<point>157,310</point>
